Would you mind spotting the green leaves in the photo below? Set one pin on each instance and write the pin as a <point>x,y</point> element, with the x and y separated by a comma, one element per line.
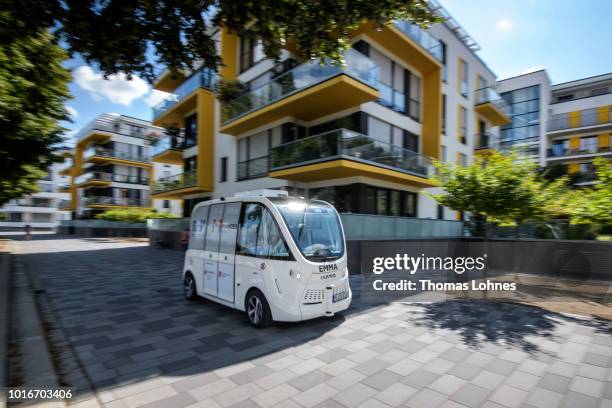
<point>503,189</point>
<point>124,35</point>
<point>593,205</point>
<point>132,215</point>
<point>33,90</point>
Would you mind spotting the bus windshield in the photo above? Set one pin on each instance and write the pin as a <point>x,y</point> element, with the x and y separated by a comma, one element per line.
<point>315,228</point>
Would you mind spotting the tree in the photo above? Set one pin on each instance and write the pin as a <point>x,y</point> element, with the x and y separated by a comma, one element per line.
<point>33,90</point>
<point>133,215</point>
<point>118,34</point>
<point>593,205</point>
<point>500,189</point>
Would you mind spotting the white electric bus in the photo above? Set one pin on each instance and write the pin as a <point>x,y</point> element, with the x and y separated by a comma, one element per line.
<point>276,258</point>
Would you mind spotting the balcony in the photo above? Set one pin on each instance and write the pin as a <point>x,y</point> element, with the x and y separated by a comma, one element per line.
<point>99,155</point>
<point>169,149</point>
<point>595,117</point>
<point>253,168</point>
<point>492,107</point>
<point>485,142</point>
<point>181,99</point>
<point>94,179</point>
<point>174,186</point>
<point>423,38</point>
<point>105,202</point>
<point>100,129</point>
<point>568,152</point>
<point>306,92</point>
<point>344,153</point>
<point>65,205</point>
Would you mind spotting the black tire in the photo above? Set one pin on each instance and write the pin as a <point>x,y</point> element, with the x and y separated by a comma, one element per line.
<point>189,287</point>
<point>257,309</point>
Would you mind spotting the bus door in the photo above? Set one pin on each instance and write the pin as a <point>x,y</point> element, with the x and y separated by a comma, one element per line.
<point>211,249</point>
<point>227,252</point>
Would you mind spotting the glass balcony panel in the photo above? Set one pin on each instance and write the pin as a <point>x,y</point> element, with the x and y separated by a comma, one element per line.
<point>121,201</point>
<point>175,182</point>
<point>253,168</point>
<point>343,143</point>
<point>100,151</point>
<point>202,78</point>
<point>587,117</point>
<point>425,39</point>
<point>489,95</point>
<point>301,77</point>
<point>168,142</point>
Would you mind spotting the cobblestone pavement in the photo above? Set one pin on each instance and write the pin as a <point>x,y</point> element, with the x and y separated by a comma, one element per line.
<point>143,345</point>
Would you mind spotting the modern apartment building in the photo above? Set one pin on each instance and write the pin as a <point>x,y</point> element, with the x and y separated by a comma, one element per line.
<point>564,125</point>
<point>360,136</point>
<point>580,126</point>
<point>111,168</point>
<point>39,210</point>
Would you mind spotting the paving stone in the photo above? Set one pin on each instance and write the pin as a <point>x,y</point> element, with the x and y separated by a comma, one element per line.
<point>426,398</point>
<point>355,395</point>
<point>587,386</point>
<point>309,380</point>
<point>315,395</point>
<point>508,396</point>
<point>447,384</point>
<point>471,395</point>
<point>542,398</point>
<point>554,382</point>
<point>396,394</point>
<point>575,399</point>
<point>382,379</point>
<point>465,370</point>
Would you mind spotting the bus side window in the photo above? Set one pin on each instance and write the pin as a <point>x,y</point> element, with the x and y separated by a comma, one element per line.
<point>249,226</point>
<point>198,228</point>
<point>213,227</point>
<point>270,242</point>
<point>229,228</point>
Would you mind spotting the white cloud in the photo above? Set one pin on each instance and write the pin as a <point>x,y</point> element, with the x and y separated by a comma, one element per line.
<point>533,69</point>
<point>155,97</point>
<point>72,112</point>
<point>117,88</point>
<point>504,24</point>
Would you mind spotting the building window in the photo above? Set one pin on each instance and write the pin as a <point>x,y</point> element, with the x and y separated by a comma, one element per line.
<point>463,78</point>
<point>440,212</point>
<point>251,52</point>
<point>462,159</point>
<point>444,154</point>
<point>392,81</point>
<point>414,96</point>
<point>166,204</point>
<point>524,130</point>
<point>191,131</point>
<point>443,114</point>
<point>253,155</point>
<point>565,98</point>
<point>588,144</point>
<point>411,141</point>
<point>462,125</point>
<point>223,170</point>
<point>444,73</point>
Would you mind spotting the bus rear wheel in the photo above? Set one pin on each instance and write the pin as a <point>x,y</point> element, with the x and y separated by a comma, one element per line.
<point>257,309</point>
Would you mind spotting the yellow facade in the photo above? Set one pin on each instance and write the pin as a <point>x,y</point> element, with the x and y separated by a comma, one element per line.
<point>573,119</point>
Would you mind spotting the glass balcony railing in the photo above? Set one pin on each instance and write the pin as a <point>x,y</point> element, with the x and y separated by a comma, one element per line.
<point>565,152</point>
<point>94,176</point>
<point>422,37</point>
<point>489,95</point>
<point>301,77</point>
<point>176,182</point>
<point>123,201</point>
<point>346,144</point>
<point>99,151</point>
<point>168,142</point>
<point>586,117</point>
<point>253,168</point>
<point>64,204</point>
<point>202,78</point>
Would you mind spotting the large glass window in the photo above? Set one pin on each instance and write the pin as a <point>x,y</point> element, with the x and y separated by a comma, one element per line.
<point>191,130</point>
<point>315,228</point>
<point>463,70</point>
<point>259,234</point>
<point>251,52</point>
<point>588,144</point>
<point>198,228</point>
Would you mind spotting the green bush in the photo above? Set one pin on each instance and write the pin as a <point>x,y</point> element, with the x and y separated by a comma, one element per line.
<point>132,215</point>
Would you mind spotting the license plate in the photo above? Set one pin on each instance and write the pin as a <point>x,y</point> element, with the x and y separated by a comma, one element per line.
<point>339,296</point>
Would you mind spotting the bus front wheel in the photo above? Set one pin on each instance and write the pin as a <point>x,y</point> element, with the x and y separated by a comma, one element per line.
<point>257,309</point>
<point>189,287</point>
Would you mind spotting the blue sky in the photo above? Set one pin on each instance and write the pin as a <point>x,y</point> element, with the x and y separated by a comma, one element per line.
<point>570,38</point>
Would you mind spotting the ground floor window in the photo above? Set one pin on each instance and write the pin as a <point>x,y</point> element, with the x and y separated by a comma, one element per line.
<point>366,199</point>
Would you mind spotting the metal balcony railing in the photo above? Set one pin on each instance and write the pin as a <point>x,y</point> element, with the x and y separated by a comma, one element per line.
<point>202,78</point>
<point>112,123</point>
<point>586,117</point>
<point>346,144</point>
<point>175,182</point>
<point>122,201</point>
<point>253,168</point>
<point>489,95</point>
<point>301,77</point>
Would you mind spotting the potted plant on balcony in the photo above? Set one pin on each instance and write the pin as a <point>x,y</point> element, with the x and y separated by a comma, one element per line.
<point>228,93</point>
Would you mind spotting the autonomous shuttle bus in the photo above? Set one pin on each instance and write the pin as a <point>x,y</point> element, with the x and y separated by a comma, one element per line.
<point>276,258</point>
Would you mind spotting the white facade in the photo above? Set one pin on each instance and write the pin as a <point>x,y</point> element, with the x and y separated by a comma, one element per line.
<point>384,124</point>
<point>40,210</point>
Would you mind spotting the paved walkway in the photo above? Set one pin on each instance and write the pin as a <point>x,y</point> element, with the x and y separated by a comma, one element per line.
<point>143,345</point>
